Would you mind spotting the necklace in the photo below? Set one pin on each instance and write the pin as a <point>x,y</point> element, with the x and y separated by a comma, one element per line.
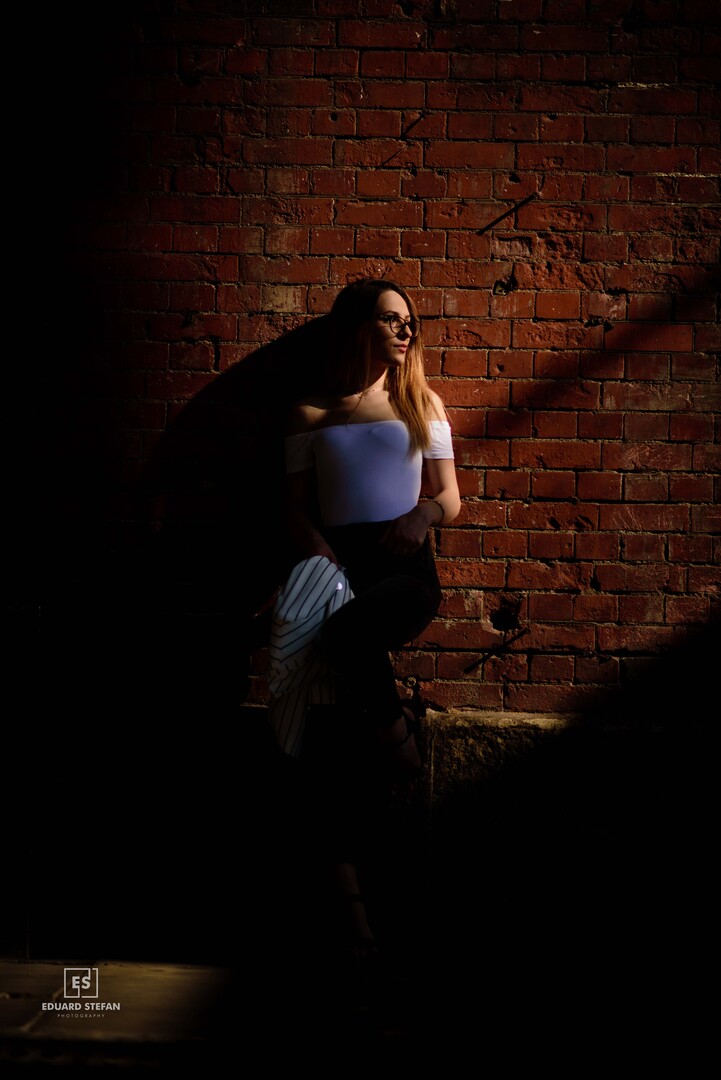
<point>360,394</point>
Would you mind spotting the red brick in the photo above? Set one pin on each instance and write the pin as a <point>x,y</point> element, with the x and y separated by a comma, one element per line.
<point>552,669</point>
<point>688,609</point>
<point>561,129</point>
<point>201,119</point>
<point>378,242</point>
<point>459,272</point>
<point>605,248</point>
<point>396,214</point>
<point>554,485</point>
<point>652,336</point>
<point>471,125</point>
<point>236,298</point>
<point>563,68</point>
<point>691,428</point>
<point>425,184</point>
<point>331,241</point>
<point>594,608</point>
<point>317,32</point>
<point>706,519</point>
<point>640,609</point>
<point>332,182</point>
<point>291,240</point>
<point>521,415</point>
<point>691,489</point>
<point>195,238</point>
<point>242,181</point>
<point>379,123</point>
<point>370,34</point>
<point>597,546</point>
<point>240,239</point>
<point>473,67</point>
<point>198,356</point>
<point>382,63</point>
<point>504,544</point>
<point>377,153</point>
<point>184,209</point>
<point>194,296</point>
<point>286,211</point>
<point>395,95</point>
<point>644,518</point>
<point>427,65</point>
<point>645,488</point>
<point>640,101</point>
<point>316,151</point>
<point>246,61</point>
<point>517,305</point>
<point>551,546</point>
<point>336,61</point>
<point>291,61</point>
<point>472,364</point>
<point>653,129</point>
<point>290,122</point>
<point>555,637</point>
<point>422,244</point>
<point>690,549</point>
<point>308,269</point>
<point>406,272</point>
<point>525,67</point>
<point>516,128</point>
<point>555,305</point>
<point>470,155</point>
<point>466,245</point>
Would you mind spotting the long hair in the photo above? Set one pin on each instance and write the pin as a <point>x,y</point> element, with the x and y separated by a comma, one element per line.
<point>349,361</point>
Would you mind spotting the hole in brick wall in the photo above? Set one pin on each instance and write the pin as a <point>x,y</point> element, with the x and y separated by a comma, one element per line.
<point>502,288</point>
<point>505,618</point>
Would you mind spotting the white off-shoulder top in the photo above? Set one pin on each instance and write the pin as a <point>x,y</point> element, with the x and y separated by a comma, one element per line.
<point>365,472</point>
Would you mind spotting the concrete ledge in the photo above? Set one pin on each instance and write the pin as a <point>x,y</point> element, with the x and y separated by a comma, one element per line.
<point>465,718</point>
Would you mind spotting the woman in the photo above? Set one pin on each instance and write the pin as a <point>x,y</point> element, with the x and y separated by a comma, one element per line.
<point>354,462</point>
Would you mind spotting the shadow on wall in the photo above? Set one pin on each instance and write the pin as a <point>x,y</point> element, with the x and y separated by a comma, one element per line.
<point>215,489</point>
<point>585,851</point>
<point>168,622</point>
<point>145,776</point>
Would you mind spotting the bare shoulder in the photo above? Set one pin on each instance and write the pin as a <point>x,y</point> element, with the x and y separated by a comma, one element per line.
<point>306,415</point>
<point>438,409</point>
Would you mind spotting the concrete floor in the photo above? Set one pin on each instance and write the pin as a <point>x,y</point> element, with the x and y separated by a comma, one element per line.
<point>563,919</point>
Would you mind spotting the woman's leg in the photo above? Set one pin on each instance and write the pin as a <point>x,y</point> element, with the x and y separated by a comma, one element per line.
<point>356,641</point>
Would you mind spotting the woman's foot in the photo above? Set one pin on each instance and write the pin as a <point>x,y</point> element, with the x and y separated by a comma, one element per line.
<point>362,945</point>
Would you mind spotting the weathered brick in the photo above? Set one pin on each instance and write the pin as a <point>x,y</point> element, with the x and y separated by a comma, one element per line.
<point>260,162</point>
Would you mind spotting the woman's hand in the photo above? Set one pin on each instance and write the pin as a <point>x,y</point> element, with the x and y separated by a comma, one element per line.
<point>310,542</point>
<point>406,533</point>
<point>321,548</point>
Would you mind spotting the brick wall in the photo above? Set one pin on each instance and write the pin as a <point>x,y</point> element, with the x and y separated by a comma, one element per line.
<point>543,175</point>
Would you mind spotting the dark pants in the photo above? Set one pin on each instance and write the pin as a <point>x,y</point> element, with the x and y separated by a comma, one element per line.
<point>395,598</point>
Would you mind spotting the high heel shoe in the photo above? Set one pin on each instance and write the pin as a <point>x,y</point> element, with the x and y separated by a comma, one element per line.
<point>362,947</point>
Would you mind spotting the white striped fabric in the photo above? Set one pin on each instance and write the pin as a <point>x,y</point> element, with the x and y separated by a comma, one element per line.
<point>298,676</point>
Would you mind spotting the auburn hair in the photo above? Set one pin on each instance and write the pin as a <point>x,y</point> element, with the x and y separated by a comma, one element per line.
<point>349,358</point>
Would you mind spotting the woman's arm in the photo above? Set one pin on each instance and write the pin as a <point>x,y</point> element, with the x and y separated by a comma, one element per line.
<point>406,534</point>
<point>306,538</point>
